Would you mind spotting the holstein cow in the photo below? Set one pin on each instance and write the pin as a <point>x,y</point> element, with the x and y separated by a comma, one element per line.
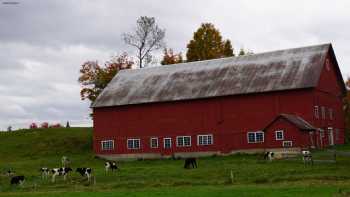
<point>190,161</point>
<point>17,180</point>
<point>44,172</point>
<point>85,172</point>
<point>60,172</point>
<point>269,155</point>
<point>110,165</point>
<point>307,157</point>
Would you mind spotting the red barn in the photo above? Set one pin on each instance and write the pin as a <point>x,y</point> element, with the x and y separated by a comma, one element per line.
<point>286,99</point>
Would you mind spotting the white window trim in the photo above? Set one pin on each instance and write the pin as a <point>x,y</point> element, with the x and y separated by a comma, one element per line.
<point>255,132</point>
<point>323,112</point>
<point>291,144</point>
<point>167,138</point>
<point>276,136</point>
<point>316,112</point>
<point>106,141</point>
<point>133,139</point>
<point>183,138</point>
<point>150,142</point>
<point>205,135</point>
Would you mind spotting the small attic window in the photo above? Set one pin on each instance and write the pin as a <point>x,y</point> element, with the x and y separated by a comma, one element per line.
<point>328,66</point>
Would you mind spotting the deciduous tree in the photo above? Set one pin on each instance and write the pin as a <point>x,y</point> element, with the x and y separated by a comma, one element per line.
<point>207,43</point>
<point>147,37</point>
<point>169,57</point>
<point>94,78</point>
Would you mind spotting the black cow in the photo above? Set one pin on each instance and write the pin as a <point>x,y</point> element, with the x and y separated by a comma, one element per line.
<point>190,161</point>
<point>60,172</point>
<point>110,165</point>
<point>85,172</point>
<point>17,180</point>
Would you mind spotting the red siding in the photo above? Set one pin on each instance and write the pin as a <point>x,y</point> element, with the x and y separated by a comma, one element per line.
<point>227,118</point>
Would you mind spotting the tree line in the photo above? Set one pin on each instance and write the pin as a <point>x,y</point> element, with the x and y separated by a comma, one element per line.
<point>206,43</point>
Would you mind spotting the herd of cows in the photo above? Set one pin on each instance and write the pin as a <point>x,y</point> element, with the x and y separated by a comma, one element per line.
<point>112,166</point>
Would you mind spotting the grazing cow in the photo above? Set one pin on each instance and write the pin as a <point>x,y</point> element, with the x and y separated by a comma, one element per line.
<point>60,172</point>
<point>65,161</point>
<point>44,172</point>
<point>190,161</point>
<point>17,180</point>
<point>85,172</point>
<point>269,155</point>
<point>110,165</point>
<point>307,157</point>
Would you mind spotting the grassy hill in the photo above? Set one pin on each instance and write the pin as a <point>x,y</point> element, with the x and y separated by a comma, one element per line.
<point>28,150</point>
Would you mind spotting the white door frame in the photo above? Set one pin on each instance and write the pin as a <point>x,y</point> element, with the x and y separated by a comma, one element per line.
<point>330,136</point>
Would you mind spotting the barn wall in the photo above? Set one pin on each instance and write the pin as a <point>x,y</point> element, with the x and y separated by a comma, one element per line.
<point>328,94</point>
<point>291,133</point>
<point>227,118</point>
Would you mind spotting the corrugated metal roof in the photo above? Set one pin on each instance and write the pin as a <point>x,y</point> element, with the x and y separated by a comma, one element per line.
<point>271,71</point>
<point>296,120</point>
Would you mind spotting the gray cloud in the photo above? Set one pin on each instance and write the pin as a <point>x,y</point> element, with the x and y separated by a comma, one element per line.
<point>43,43</point>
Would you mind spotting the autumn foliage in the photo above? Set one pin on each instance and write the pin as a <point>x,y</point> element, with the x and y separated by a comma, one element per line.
<point>207,43</point>
<point>33,126</point>
<point>169,57</point>
<point>94,78</point>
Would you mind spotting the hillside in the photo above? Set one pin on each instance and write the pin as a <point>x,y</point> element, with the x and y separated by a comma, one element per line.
<point>27,151</point>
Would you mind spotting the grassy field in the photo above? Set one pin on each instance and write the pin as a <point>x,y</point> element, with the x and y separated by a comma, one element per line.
<point>27,151</point>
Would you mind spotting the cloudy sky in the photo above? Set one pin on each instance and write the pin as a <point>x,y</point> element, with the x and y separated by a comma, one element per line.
<point>43,43</point>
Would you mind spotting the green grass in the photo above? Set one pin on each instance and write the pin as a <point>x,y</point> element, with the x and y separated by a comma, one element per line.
<point>27,151</point>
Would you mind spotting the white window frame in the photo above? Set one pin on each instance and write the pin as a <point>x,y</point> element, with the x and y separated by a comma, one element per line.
<point>279,131</point>
<point>133,143</point>
<point>284,142</point>
<point>203,136</point>
<point>182,138</point>
<point>107,141</point>
<point>157,142</point>
<point>167,138</point>
<point>255,134</point>
<point>316,112</point>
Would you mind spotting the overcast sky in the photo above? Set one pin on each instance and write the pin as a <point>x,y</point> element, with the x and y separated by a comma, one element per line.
<point>43,43</point>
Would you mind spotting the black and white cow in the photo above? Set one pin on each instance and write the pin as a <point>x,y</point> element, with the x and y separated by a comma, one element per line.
<point>17,180</point>
<point>85,172</point>
<point>110,165</point>
<point>307,157</point>
<point>190,162</point>
<point>60,172</point>
<point>269,155</point>
<point>44,172</point>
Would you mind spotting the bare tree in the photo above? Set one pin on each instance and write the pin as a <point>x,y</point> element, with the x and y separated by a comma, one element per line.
<point>147,37</point>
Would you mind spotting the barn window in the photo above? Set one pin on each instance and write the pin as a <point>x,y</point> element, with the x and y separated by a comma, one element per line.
<point>287,144</point>
<point>328,67</point>
<point>316,112</point>
<point>323,111</point>
<point>279,135</point>
<point>154,142</point>
<point>107,145</point>
<point>203,140</point>
<point>183,141</point>
<point>133,143</point>
<point>167,142</point>
<point>330,113</point>
<point>255,137</point>
<point>321,133</point>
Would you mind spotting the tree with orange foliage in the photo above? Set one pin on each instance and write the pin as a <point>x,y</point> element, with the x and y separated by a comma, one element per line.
<point>95,78</point>
<point>170,57</point>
